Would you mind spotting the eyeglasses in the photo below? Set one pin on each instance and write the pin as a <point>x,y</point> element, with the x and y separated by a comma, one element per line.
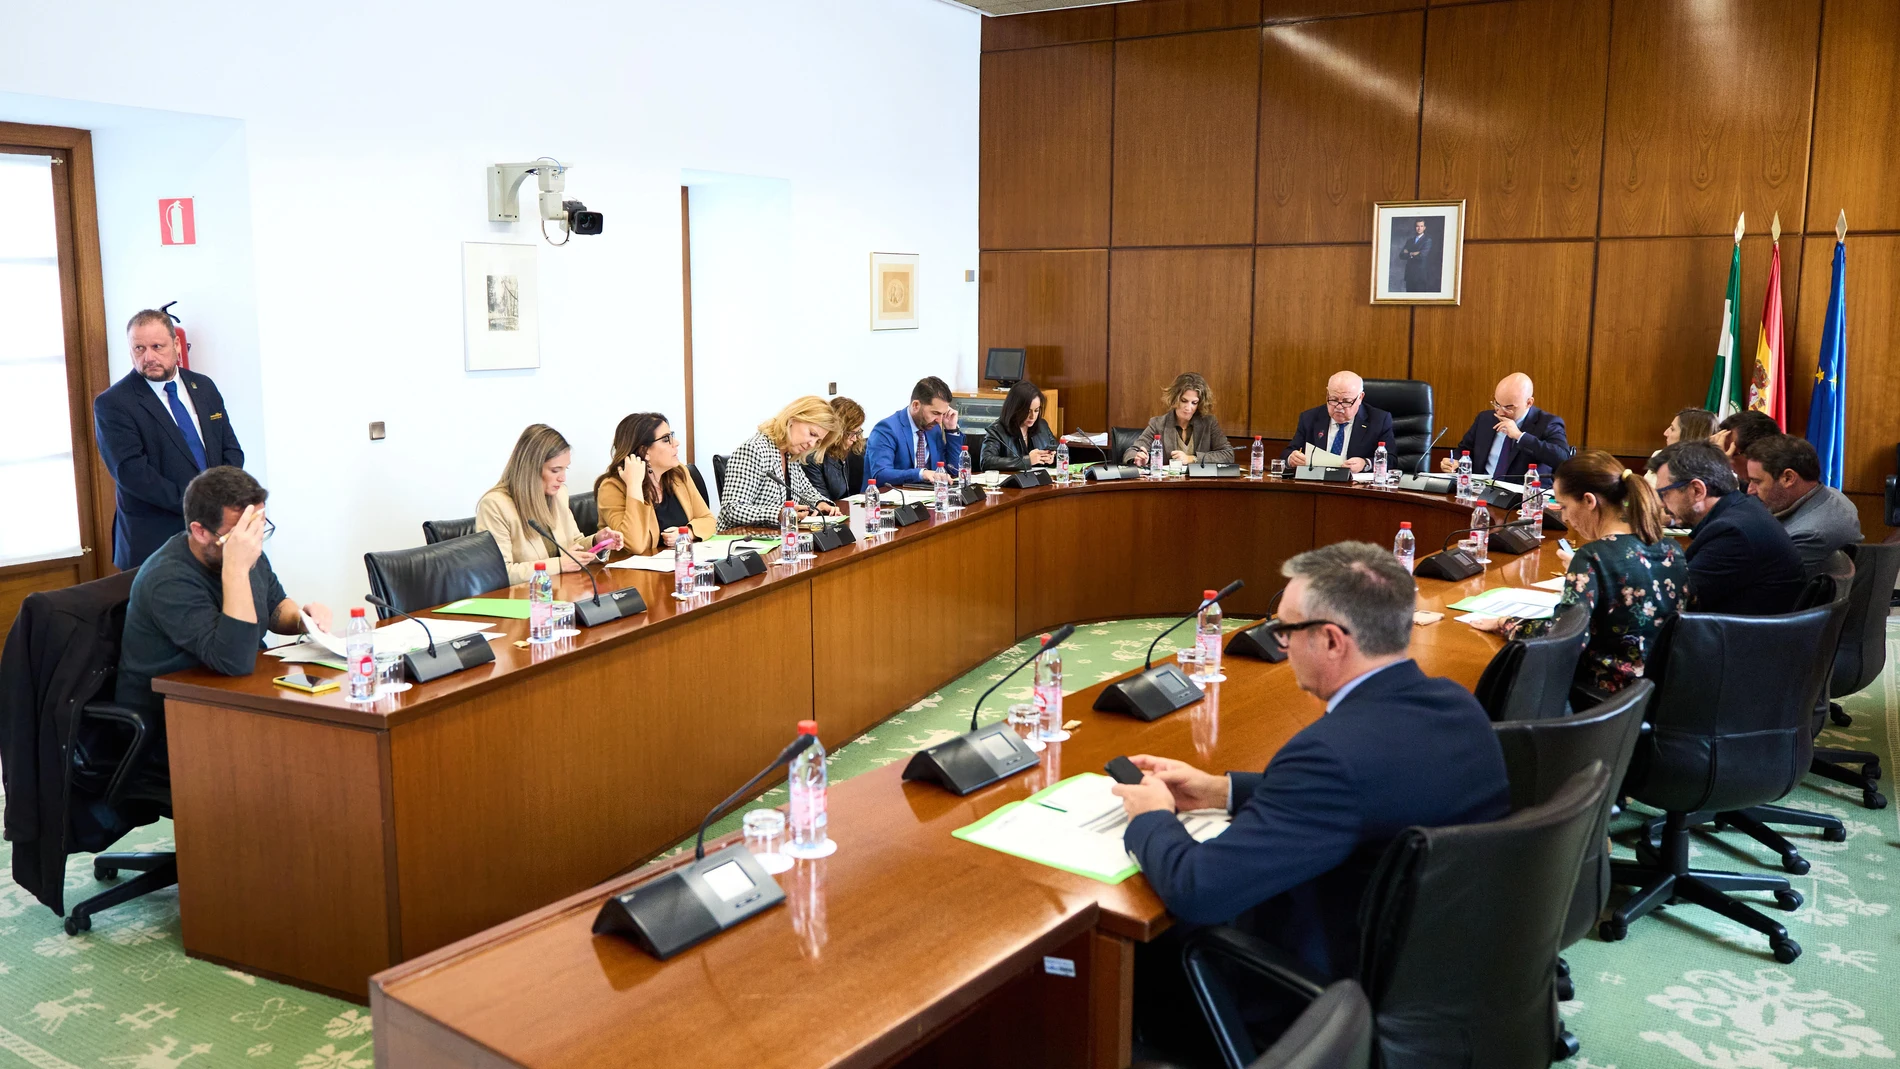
<point>1674,486</point>
<point>1342,403</point>
<point>1280,629</point>
<point>1498,406</point>
<point>665,439</point>
<point>269,529</point>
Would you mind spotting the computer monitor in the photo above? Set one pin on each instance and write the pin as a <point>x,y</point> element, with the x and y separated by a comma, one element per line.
<point>1006,367</point>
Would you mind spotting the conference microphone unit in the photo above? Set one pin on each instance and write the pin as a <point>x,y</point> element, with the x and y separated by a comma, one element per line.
<point>980,757</point>
<point>1257,642</point>
<point>690,904</point>
<point>602,609</point>
<point>740,563</point>
<point>1102,473</point>
<point>1457,564</point>
<point>1156,692</point>
<point>436,662</point>
<point>1026,478</point>
<point>1419,480</point>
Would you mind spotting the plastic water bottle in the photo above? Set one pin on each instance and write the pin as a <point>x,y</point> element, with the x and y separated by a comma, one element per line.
<point>1481,532</point>
<point>1207,636</point>
<point>541,604</point>
<point>1533,510</point>
<point>360,652</point>
<point>1464,477</point>
<point>1257,464</point>
<point>788,534</point>
<point>1405,546</point>
<point>943,489</point>
<point>1378,467</point>
<point>684,584</point>
<point>1048,694</point>
<point>1062,462</point>
<point>873,510</point>
<point>810,836</point>
<point>1157,464</point>
<point>963,467</point>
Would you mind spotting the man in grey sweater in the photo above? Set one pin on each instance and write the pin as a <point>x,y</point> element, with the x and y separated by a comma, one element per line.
<point>1785,472</point>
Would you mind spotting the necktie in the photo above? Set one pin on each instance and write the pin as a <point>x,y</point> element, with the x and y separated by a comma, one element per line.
<point>1497,453</point>
<point>189,428</point>
<point>923,451</point>
<point>1337,444</point>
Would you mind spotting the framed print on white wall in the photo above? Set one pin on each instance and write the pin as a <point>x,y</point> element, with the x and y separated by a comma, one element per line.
<point>1418,251</point>
<point>501,307</point>
<point>893,291</point>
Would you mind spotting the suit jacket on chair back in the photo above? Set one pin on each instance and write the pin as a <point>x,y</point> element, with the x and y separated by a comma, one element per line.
<point>151,463</point>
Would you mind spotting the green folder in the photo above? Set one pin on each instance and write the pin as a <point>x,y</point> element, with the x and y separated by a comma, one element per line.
<point>506,608</point>
<point>1036,831</point>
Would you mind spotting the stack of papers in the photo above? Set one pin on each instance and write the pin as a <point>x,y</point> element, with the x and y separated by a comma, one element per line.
<point>1084,438</point>
<point>716,548</point>
<point>403,636</point>
<point>1320,458</point>
<point>1514,602</point>
<point>1076,826</point>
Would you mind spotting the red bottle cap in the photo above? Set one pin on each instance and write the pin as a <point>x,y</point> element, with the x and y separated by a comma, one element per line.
<point>808,727</point>
<point>1208,595</point>
<point>358,613</point>
<point>1405,525</point>
<point>686,530</point>
<point>540,566</point>
<point>1256,437</point>
<point>1467,452</point>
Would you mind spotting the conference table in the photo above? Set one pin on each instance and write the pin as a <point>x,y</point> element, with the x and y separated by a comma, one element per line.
<point>321,841</point>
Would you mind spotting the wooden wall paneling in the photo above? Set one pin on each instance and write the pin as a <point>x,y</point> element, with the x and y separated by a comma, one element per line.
<point>1873,340</point>
<point>1338,126</point>
<point>1526,308</point>
<point>1287,10</point>
<point>1186,110</point>
<point>1311,318</point>
<point>872,650</point>
<point>18,581</point>
<point>1063,27</point>
<point>1146,17</point>
<point>1857,118</point>
<point>1873,516</point>
<point>1514,115</point>
<point>1055,304</point>
<point>1175,310</point>
<point>1344,518</point>
<point>1709,115</point>
<point>596,792</point>
<point>1658,318</point>
<point>1044,137</point>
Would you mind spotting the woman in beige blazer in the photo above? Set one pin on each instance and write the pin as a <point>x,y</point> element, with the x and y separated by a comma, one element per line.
<point>647,456</point>
<point>534,487</point>
<point>1189,432</point>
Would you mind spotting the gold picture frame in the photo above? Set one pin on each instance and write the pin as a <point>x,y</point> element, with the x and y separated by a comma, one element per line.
<point>1418,251</point>
<point>894,290</point>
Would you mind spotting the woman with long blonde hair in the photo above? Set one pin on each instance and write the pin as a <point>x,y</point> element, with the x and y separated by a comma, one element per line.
<point>533,487</point>
<point>768,469</point>
<point>1188,431</point>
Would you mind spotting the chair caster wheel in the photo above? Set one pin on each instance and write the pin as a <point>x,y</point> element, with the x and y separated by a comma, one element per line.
<point>1840,719</point>
<point>1565,1048</point>
<point>78,922</point>
<point>102,871</point>
<point>1786,950</point>
<point>1834,835</point>
<point>1566,990</point>
<point>1796,864</point>
<point>1611,931</point>
<point>1789,899</point>
<point>1873,800</point>
<point>1719,824</point>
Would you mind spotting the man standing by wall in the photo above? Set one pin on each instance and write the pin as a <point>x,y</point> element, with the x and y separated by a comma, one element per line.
<point>158,428</point>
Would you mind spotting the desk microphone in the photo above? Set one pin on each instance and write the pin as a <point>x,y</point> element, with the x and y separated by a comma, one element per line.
<point>1456,564</point>
<point>1156,692</point>
<point>785,757</point>
<point>596,612</point>
<point>1426,458</point>
<point>1148,661</point>
<point>465,652</point>
<point>1255,641</point>
<point>1056,638</point>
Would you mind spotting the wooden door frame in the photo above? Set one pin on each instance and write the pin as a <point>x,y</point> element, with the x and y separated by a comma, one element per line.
<point>88,370</point>
<point>686,289</point>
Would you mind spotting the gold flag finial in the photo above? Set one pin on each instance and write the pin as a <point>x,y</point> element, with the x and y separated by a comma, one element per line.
<point>1738,226</point>
<point>1774,229</point>
<point>1840,227</point>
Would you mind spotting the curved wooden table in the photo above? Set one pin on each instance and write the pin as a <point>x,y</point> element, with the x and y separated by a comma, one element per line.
<point>320,842</point>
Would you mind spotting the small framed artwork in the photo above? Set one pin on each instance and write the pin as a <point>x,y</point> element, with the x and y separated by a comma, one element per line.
<point>1418,251</point>
<point>893,291</point>
<point>501,307</point>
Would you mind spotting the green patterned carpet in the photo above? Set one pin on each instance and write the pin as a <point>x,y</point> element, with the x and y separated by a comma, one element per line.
<point>1687,988</point>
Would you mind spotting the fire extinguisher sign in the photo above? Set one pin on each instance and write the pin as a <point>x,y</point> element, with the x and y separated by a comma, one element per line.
<point>175,223</point>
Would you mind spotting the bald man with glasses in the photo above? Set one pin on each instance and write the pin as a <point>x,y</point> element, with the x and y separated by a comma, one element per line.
<point>1513,435</point>
<point>1345,426</point>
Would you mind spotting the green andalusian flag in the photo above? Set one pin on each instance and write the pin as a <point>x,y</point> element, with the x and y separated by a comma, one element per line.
<point>1727,385</point>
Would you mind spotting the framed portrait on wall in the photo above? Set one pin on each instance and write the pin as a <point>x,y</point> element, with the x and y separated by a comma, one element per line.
<point>893,291</point>
<point>1418,251</point>
<point>501,307</point>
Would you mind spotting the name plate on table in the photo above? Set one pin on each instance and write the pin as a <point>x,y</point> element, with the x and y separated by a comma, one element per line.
<point>684,907</point>
<point>449,657</point>
<point>1323,475</point>
<point>1151,695</point>
<point>1027,477</point>
<point>1213,471</point>
<point>611,605</point>
<point>973,760</point>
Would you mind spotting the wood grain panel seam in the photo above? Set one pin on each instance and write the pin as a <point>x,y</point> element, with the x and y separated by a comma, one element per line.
<point>1108,268</point>
<point>392,875</point>
<point>1299,20</point>
<point>1596,251</point>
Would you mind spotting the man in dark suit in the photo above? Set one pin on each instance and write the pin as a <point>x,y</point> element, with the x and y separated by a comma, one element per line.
<point>1417,254</point>
<point>1395,749</point>
<point>1344,425</point>
<point>1515,434</point>
<point>158,428</point>
<point>1742,561</point>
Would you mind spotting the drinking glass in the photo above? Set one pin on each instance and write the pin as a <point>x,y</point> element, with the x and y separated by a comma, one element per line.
<point>703,578</point>
<point>804,546</point>
<point>389,673</point>
<point>764,832</point>
<point>1026,722</point>
<point>1277,468</point>
<point>564,620</point>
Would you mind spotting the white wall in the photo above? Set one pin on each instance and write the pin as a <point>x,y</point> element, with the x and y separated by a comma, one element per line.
<point>359,132</point>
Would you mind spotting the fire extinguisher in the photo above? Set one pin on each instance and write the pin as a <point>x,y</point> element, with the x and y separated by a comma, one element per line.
<point>178,327</point>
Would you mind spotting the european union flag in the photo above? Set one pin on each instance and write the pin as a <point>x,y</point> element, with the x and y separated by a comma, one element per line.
<point>1827,409</point>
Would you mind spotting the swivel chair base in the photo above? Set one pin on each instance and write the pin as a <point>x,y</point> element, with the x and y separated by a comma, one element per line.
<point>157,871</point>
<point>1832,764</point>
<point>1661,875</point>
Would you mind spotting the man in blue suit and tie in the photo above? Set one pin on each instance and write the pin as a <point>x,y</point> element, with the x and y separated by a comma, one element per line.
<point>1515,434</point>
<point>903,447</point>
<point>157,429</point>
<point>1394,749</point>
<point>1345,426</point>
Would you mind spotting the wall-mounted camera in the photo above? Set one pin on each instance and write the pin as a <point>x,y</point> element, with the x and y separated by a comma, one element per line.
<point>570,216</point>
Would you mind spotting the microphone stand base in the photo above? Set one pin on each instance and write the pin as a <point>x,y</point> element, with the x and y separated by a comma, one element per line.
<point>610,606</point>
<point>1151,695</point>
<point>680,909</point>
<point>973,760</point>
<point>448,658</point>
<point>1255,643</point>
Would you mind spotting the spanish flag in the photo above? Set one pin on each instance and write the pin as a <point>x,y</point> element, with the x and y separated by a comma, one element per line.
<point>1767,390</point>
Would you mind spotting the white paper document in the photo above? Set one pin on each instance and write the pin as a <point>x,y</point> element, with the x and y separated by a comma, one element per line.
<point>1320,458</point>
<point>402,636</point>
<point>1554,583</point>
<point>1076,825</point>
<point>1078,437</point>
<point>702,552</point>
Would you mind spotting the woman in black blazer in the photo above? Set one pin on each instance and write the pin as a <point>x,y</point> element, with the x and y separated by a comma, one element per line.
<point>1020,437</point>
<point>844,454</point>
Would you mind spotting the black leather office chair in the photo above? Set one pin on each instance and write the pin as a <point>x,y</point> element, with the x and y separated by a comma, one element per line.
<point>1119,439</point>
<point>1530,678</point>
<point>699,483</point>
<point>1730,728</point>
<point>1459,939</point>
<point>434,531</point>
<point>1410,402</point>
<point>719,473</point>
<point>416,579</point>
<point>1335,1032</point>
<point>1858,662</point>
<point>586,511</point>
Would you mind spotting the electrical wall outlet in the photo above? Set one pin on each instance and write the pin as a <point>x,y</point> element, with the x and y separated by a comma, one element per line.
<point>833,387</point>
<point>376,431</point>
<point>969,276</point>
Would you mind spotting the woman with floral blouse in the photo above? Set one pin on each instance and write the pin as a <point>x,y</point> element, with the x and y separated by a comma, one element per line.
<point>1627,575</point>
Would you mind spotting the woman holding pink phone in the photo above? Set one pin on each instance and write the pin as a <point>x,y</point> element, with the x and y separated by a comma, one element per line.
<point>529,503</point>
